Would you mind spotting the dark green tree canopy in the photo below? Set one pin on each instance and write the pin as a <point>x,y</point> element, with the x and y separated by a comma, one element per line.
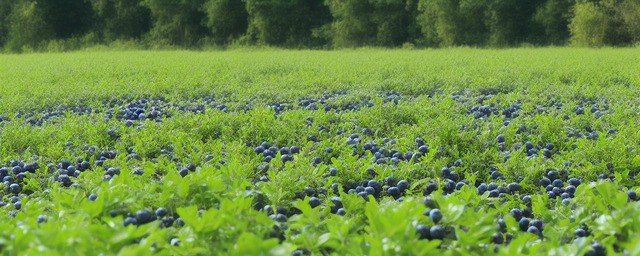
<point>36,25</point>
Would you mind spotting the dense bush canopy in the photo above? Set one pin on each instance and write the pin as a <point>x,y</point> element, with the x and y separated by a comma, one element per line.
<point>27,25</point>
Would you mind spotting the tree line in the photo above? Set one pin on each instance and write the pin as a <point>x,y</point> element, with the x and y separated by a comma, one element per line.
<point>48,24</point>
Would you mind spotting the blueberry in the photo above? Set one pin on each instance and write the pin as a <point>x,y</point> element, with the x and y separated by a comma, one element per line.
<point>428,202</point>
<point>459,185</point>
<point>437,232</point>
<point>179,222</point>
<point>502,225</point>
<point>65,180</point>
<point>557,183</point>
<point>500,138</point>
<point>533,230</point>
<point>403,185</point>
<point>516,213</point>
<point>580,232</point>
<point>526,199</point>
<point>130,221</point>
<point>191,167</point>
<point>423,231</point>
<point>394,192</point>
<point>424,149</point>
<point>537,224</point>
<point>632,195</point>
<point>514,187</point>
<point>545,182</point>
<point>279,217</point>
<point>482,188</point>
<point>494,193</point>
<point>528,145</point>
<point>175,242</point>
<point>93,197</point>
<point>161,212</point>
<point>139,171</point>
<point>497,238</point>
<point>314,202</point>
<point>294,150</point>
<point>523,224</point>
<point>549,146</point>
<point>15,188</point>
<point>566,202</point>
<point>287,158</point>
<point>17,169</point>
<point>435,215</point>
<point>144,216</point>
<point>375,184</point>
<point>363,195</point>
<point>597,250</point>
<point>41,218</point>
<point>370,190</point>
<point>341,212</point>
<point>300,252</point>
<point>333,171</point>
<point>183,172</point>
<point>571,190</point>
<point>431,186</point>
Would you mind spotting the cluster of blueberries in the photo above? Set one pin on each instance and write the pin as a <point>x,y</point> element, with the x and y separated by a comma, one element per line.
<point>146,216</point>
<point>389,187</point>
<point>382,155</point>
<point>325,101</point>
<point>269,152</point>
<point>129,110</point>
<point>595,108</point>
<point>588,133</point>
<point>486,111</point>
<point>66,169</point>
<point>13,177</point>
<point>530,149</point>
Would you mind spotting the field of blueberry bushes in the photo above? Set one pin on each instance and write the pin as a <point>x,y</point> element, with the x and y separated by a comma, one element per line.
<point>354,152</point>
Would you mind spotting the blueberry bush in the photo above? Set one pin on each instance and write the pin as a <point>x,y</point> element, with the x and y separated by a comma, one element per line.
<point>354,152</point>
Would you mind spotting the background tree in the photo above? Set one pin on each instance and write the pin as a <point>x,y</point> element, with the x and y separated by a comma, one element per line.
<point>69,18</point>
<point>554,16</point>
<point>510,22</point>
<point>5,11</point>
<point>454,22</point>
<point>287,23</point>
<point>599,23</point>
<point>630,12</point>
<point>28,28</point>
<point>226,19</point>
<point>351,24</point>
<point>121,19</point>
<point>176,22</point>
<point>372,22</point>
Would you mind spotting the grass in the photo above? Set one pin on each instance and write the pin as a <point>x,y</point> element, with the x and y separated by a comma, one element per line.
<point>222,202</point>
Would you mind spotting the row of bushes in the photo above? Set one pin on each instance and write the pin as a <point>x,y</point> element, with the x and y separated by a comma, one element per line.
<point>54,24</point>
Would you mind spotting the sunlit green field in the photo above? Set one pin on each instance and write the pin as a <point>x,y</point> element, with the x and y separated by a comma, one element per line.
<point>152,152</point>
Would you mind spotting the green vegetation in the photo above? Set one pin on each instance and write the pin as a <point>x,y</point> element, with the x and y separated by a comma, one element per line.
<point>155,152</point>
<point>63,25</point>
